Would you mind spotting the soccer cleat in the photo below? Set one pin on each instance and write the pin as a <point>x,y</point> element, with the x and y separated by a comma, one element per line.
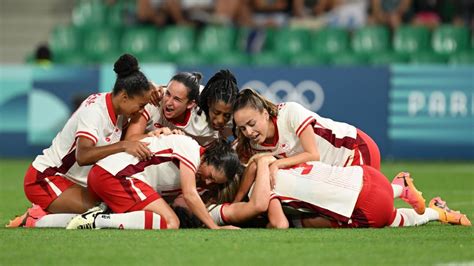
<point>409,193</point>
<point>28,219</point>
<point>85,220</point>
<point>446,215</point>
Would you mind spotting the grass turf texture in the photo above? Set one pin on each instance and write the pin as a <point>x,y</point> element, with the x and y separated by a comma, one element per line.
<point>426,245</point>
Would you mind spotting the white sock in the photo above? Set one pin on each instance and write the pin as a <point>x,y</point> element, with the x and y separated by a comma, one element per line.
<point>408,217</point>
<point>397,191</point>
<point>130,220</point>
<point>58,220</point>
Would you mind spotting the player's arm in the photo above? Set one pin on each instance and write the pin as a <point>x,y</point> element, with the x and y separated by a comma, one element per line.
<point>88,153</point>
<point>248,178</point>
<point>192,198</point>
<point>276,216</point>
<point>310,153</point>
<point>136,129</point>
<point>258,202</point>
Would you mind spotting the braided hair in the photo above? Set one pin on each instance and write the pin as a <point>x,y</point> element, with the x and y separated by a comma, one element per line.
<point>220,87</point>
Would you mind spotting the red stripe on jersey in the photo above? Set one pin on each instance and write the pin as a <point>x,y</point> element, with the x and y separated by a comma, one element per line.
<point>276,137</point>
<point>303,125</point>
<point>222,213</point>
<point>346,142</point>
<point>187,115</point>
<point>140,166</point>
<point>187,162</point>
<point>87,135</point>
<point>167,151</point>
<point>110,108</point>
<point>146,115</point>
<point>148,220</point>
<point>67,162</point>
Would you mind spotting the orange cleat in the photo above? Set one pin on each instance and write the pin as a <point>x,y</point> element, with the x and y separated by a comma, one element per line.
<point>410,194</point>
<point>446,215</point>
<point>28,219</point>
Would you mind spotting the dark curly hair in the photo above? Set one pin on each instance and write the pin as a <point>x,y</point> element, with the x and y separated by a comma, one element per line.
<point>129,77</point>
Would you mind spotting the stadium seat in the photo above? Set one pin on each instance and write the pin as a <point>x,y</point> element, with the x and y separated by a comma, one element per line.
<point>408,40</point>
<point>388,58</point>
<point>289,41</point>
<point>330,41</point>
<point>348,59</point>
<point>174,41</point>
<point>308,59</point>
<point>370,40</point>
<point>427,58</point>
<point>448,40</point>
<point>268,59</point>
<point>64,40</point>
<point>213,40</point>
<point>89,13</point>
<point>191,59</point>
<point>139,41</point>
<point>99,43</point>
<point>232,59</point>
<point>462,58</point>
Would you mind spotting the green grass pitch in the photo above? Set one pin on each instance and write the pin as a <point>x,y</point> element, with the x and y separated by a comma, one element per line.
<point>432,244</point>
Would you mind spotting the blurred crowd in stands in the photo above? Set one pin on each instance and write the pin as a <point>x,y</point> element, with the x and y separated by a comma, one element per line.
<point>311,13</point>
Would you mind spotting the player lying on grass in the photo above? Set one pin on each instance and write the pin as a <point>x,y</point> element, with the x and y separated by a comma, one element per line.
<point>319,195</point>
<point>132,188</point>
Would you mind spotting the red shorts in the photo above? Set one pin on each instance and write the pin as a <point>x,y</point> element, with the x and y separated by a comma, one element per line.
<point>41,189</point>
<point>374,206</point>
<point>369,151</point>
<point>120,194</point>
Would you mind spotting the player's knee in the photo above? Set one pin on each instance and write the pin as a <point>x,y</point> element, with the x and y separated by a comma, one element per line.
<point>281,224</point>
<point>172,222</point>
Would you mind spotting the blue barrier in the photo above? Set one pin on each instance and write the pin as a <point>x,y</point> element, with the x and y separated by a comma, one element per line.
<point>410,111</point>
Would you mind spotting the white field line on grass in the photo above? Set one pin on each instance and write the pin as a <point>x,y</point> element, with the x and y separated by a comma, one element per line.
<point>456,263</point>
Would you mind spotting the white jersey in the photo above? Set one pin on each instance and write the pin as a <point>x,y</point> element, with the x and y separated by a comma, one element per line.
<point>161,172</point>
<point>336,140</point>
<point>331,189</point>
<point>195,125</point>
<point>96,120</point>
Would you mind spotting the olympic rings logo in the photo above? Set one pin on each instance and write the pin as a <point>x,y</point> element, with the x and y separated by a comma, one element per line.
<point>308,93</point>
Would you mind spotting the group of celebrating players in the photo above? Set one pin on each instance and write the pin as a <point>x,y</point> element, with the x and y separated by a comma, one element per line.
<point>146,156</point>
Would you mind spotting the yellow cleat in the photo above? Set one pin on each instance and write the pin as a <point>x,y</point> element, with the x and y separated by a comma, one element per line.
<point>446,215</point>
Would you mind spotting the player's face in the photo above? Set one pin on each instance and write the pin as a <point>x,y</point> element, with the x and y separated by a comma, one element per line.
<point>131,106</point>
<point>220,114</point>
<point>252,123</point>
<point>175,100</point>
<point>210,175</point>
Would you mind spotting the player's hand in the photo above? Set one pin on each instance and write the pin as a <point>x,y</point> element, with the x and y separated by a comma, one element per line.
<point>157,93</point>
<point>229,227</point>
<point>273,172</point>
<point>138,149</point>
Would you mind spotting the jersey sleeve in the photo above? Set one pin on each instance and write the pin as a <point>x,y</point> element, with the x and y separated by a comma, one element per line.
<point>217,213</point>
<point>186,150</point>
<point>89,123</point>
<point>297,117</point>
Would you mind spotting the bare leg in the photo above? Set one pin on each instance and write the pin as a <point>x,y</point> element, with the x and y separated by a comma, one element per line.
<point>162,208</point>
<point>75,199</point>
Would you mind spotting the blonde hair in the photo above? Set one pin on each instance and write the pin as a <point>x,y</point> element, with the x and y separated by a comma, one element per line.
<point>250,98</point>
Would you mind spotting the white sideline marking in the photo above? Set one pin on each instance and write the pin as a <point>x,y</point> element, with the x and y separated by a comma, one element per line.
<point>454,263</point>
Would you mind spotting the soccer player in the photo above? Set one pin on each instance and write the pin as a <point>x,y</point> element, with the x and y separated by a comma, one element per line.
<point>56,180</point>
<point>296,135</point>
<point>216,101</point>
<point>128,185</point>
<point>177,110</point>
<point>315,194</point>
